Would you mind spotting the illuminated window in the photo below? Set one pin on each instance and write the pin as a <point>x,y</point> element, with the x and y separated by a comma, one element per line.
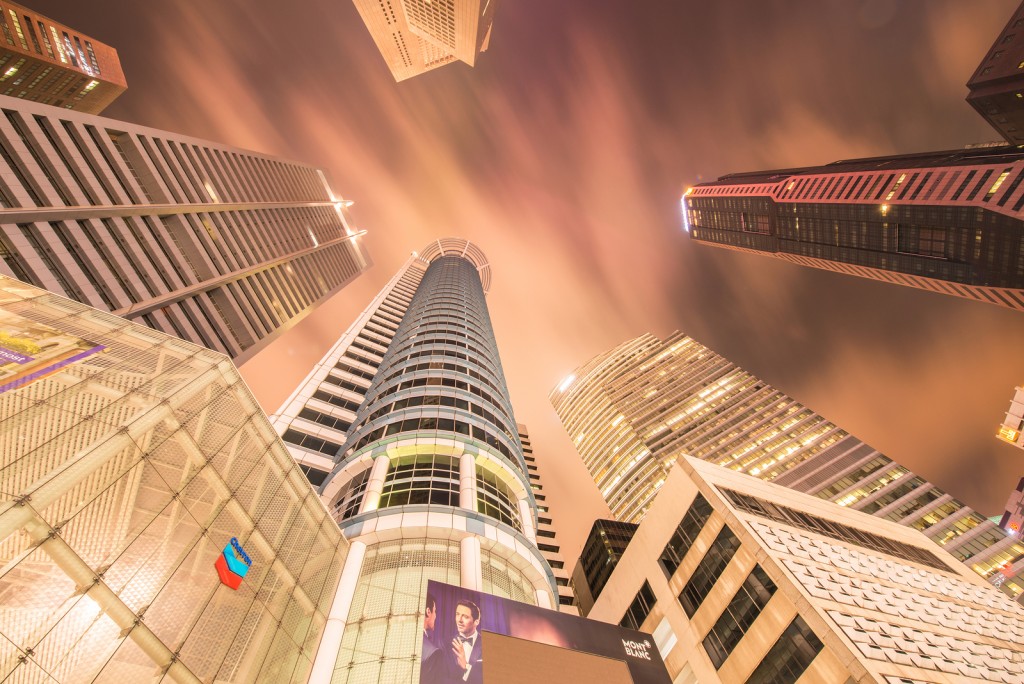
<point>896,187</point>
<point>17,28</point>
<point>58,45</point>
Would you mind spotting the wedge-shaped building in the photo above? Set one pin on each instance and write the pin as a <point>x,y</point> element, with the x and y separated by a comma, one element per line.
<point>740,580</point>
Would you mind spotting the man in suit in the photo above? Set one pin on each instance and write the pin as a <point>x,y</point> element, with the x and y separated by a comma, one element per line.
<point>467,649</point>
<point>432,658</point>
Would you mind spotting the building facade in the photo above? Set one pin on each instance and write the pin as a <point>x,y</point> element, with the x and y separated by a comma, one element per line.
<point>415,36</point>
<point>408,425</point>
<point>999,78</point>
<point>947,222</point>
<point>633,410</point>
<point>219,246</point>
<point>132,464</point>
<point>46,62</point>
<point>601,552</point>
<point>547,537</point>
<point>740,580</point>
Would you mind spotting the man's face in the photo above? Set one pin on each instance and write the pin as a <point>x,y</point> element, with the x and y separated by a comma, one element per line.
<point>428,619</point>
<point>464,621</point>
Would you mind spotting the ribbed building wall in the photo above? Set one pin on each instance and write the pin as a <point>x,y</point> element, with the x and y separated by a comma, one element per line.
<point>217,245</point>
<point>632,411</point>
<point>547,535</point>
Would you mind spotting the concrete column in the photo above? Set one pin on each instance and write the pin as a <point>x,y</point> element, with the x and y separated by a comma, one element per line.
<point>334,630</point>
<point>471,575</point>
<point>543,600</point>
<point>526,516</point>
<point>467,482</point>
<point>371,497</point>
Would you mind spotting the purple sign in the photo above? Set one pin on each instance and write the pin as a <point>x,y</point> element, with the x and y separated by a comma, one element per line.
<point>10,356</point>
<point>453,648</point>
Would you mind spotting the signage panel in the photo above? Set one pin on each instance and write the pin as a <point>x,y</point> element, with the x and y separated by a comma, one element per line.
<point>453,648</point>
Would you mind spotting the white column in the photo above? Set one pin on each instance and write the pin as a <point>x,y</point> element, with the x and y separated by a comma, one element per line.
<point>467,481</point>
<point>526,516</point>
<point>334,630</point>
<point>543,600</point>
<point>371,498</point>
<point>472,577</point>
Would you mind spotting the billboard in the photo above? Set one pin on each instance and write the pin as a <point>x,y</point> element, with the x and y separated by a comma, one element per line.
<point>453,649</point>
<point>30,350</point>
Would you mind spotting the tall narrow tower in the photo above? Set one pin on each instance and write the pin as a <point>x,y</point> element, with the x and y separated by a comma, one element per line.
<point>428,479</point>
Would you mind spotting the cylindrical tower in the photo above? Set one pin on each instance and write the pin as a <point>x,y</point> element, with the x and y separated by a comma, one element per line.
<point>431,482</point>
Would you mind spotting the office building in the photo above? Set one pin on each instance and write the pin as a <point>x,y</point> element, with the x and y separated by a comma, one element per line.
<point>547,537</point>
<point>601,552</point>
<point>415,36</point>
<point>408,425</point>
<point>947,222</point>
<point>740,580</point>
<point>997,85</point>
<point>219,246</point>
<point>135,468</point>
<point>46,62</point>
<point>1013,425</point>
<point>633,410</point>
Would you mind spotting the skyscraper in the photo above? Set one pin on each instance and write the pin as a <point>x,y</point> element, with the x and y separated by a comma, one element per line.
<point>415,36</point>
<point>998,82</point>
<point>47,62</point>
<point>948,222</point>
<point>219,246</point>
<point>408,425</point>
<point>633,410</point>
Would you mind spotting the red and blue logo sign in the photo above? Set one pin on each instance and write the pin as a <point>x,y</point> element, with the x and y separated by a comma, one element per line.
<point>233,564</point>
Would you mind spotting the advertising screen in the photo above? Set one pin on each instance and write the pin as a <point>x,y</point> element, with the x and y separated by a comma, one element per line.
<point>453,650</point>
<point>30,350</point>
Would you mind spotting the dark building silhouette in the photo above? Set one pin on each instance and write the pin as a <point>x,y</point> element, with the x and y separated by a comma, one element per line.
<point>601,553</point>
<point>948,222</point>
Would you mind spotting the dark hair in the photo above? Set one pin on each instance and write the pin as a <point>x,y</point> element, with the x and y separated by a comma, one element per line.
<point>473,608</point>
<point>431,602</point>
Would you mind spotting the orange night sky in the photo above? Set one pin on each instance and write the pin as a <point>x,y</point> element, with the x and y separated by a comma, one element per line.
<point>563,155</point>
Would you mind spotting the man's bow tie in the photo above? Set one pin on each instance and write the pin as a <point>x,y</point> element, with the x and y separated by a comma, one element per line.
<point>465,639</point>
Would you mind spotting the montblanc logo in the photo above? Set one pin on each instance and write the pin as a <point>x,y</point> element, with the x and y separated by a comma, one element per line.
<point>637,649</point>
